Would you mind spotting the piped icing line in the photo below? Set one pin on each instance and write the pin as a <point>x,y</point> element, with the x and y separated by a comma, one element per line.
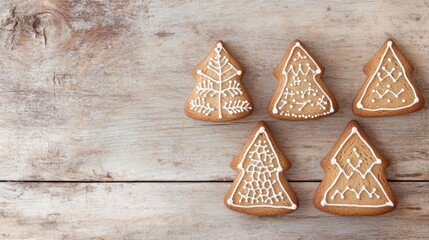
<point>275,110</point>
<point>376,73</point>
<point>355,168</point>
<point>381,95</point>
<point>333,161</point>
<point>230,201</point>
<point>219,65</point>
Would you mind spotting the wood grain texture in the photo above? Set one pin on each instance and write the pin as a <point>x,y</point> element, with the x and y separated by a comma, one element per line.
<point>94,90</point>
<point>189,211</point>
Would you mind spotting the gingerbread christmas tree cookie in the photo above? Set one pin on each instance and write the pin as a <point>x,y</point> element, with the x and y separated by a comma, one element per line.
<point>389,89</point>
<point>300,93</point>
<point>219,94</point>
<point>260,187</point>
<point>354,183</point>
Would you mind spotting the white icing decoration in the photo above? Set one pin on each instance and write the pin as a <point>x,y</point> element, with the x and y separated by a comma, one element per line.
<point>233,89</point>
<point>363,189</point>
<point>303,104</point>
<point>355,152</point>
<point>224,72</point>
<point>359,105</point>
<point>390,76</point>
<point>307,91</point>
<point>355,169</point>
<point>321,102</point>
<point>310,76</point>
<point>381,95</point>
<point>200,106</point>
<point>299,56</point>
<point>237,106</point>
<point>206,87</point>
<point>263,161</point>
<point>296,80</point>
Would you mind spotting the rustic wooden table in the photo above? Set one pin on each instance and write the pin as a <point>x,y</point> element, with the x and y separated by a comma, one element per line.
<point>94,142</point>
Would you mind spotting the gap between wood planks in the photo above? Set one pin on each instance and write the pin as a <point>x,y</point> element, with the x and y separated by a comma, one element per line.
<point>173,181</point>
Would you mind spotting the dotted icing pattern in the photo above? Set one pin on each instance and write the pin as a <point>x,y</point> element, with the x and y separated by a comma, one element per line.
<point>301,95</point>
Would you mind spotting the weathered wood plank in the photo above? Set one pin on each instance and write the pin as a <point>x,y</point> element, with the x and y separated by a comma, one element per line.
<point>94,90</point>
<point>189,211</point>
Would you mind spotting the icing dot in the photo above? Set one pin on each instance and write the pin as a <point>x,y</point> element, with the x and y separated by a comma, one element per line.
<point>312,105</point>
<point>388,100</point>
<point>359,105</point>
<point>219,45</point>
<point>378,84</point>
<point>293,100</point>
<point>238,72</point>
<point>290,106</point>
<point>373,100</point>
<point>388,85</point>
<point>308,64</point>
<point>403,100</point>
<point>373,90</point>
<point>297,44</point>
<point>318,71</point>
<point>389,43</point>
<point>309,84</point>
<point>314,94</point>
<point>199,71</point>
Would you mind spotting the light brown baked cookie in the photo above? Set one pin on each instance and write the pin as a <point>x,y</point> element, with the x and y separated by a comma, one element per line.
<point>389,89</point>
<point>260,187</point>
<point>300,93</point>
<point>354,184</point>
<point>219,94</point>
